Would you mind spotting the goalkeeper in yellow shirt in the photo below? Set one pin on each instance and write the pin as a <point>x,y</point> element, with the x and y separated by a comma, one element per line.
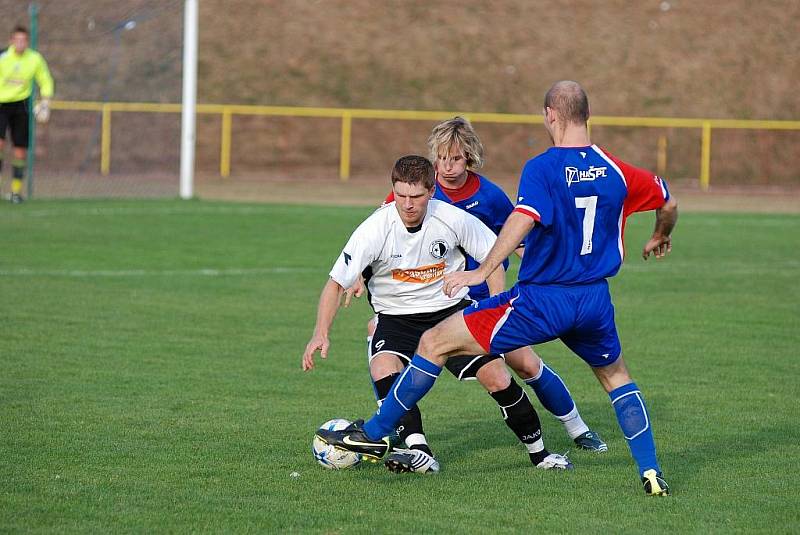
<point>19,67</point>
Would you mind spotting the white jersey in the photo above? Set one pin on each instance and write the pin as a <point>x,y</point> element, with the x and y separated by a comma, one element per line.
<point>407,268</point>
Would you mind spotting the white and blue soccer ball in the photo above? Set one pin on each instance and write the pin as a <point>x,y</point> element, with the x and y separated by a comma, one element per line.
<point>330,457</point>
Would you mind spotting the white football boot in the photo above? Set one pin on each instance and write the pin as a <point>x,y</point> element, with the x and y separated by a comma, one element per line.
<point>554,461</point>
<point>411,460</point>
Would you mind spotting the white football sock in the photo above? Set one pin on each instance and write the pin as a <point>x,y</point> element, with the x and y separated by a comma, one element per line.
<point>573,423</point>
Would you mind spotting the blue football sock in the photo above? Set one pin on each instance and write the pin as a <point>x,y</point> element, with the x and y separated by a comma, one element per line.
<point>552,392</point>
<point>635,424</point>
<point>409,388</point>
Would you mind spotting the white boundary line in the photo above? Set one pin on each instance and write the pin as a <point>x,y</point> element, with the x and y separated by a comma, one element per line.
<point>691,269</point>
<point>201,272</point>
<point>143,210</point>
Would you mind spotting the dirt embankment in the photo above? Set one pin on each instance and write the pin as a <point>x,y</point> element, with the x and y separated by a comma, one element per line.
<point>370,191</point>
<point>670,58</point>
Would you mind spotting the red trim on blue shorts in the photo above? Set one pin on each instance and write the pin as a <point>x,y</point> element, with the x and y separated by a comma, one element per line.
<point>481,324</point>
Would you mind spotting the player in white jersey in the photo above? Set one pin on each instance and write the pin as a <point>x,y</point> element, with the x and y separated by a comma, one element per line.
<point>408,264</point>
<point>406,248</point>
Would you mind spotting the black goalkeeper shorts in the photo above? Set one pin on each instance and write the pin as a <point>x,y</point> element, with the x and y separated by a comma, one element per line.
<point>14,116</point>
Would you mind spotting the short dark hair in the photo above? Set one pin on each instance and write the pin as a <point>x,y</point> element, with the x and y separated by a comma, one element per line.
<point>569,101</point>
<point>414,169</point>
<point>20,29</point>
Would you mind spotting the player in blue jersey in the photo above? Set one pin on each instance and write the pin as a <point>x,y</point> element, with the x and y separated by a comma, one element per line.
<point>571,209</point>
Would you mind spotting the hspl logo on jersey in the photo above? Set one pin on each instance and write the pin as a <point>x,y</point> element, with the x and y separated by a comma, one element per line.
<point>574,175</point>
<point>438,249</point>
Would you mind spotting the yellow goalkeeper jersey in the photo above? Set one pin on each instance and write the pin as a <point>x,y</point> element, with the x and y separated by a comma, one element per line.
<point>17,72</point>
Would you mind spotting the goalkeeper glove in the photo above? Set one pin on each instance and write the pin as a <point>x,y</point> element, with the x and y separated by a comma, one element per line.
<point>42,111</point>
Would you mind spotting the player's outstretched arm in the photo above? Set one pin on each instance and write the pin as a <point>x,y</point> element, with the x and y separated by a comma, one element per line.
<point>660,243</point>
<point>326,312</point>
<point>516,227</point>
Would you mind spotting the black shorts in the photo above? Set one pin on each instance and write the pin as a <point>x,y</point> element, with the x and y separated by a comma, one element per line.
<point>14,116</point>
<point>399,335</point>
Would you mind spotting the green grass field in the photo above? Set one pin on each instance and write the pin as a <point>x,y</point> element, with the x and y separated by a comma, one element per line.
<point>151,382</point>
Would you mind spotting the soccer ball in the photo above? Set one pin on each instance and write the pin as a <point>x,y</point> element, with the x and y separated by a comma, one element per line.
<point>330,457</point>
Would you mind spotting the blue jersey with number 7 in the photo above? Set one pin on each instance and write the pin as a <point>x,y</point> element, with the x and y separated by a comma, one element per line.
<point>580,198</point>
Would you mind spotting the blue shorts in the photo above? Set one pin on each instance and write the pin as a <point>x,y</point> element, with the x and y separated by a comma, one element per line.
<point>581,316</point>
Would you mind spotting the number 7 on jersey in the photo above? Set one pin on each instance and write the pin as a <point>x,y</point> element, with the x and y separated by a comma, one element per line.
<point>589,204</point>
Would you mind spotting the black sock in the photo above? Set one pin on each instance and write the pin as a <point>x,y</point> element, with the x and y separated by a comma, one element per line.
<point>539,456</point>
<point>411,422</point>
<point>383,386</point>
<point>520,417</point>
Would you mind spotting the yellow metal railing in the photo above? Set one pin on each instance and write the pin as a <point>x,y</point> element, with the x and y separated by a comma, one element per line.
<point>348,114</point>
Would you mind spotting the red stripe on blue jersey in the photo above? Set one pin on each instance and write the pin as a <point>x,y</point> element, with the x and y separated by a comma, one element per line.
<point>646,191</point>
<point>528,211</point>
<point>481,324</point>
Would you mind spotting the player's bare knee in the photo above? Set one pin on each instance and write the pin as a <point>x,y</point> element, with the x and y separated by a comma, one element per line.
<point>614,375</point>
<point>524,362</point>
<point>383,365</point>
<point>494,376</point>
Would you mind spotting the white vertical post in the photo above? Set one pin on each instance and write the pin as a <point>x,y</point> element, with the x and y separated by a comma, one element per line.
<point>189,98</point>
